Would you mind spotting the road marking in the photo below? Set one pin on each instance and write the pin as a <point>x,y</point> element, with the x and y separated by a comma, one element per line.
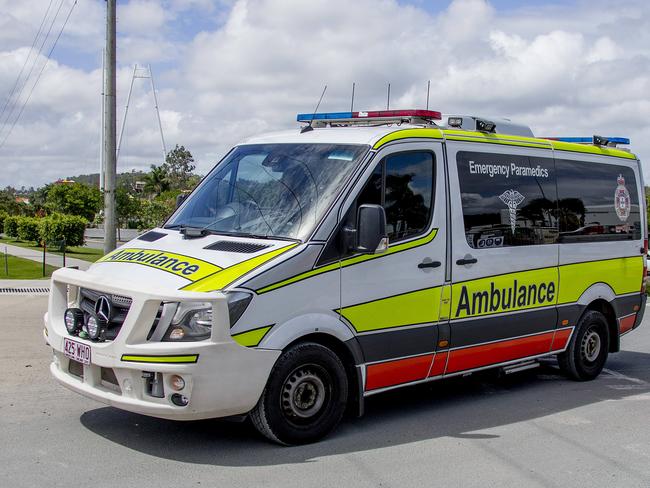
<point>621,376</point>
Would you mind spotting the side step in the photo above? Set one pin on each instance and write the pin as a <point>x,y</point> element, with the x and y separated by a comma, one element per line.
<point>516,368</point>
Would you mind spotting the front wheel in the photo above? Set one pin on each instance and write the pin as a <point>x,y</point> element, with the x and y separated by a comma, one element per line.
<point>587,352</point>
<point>305,396</point>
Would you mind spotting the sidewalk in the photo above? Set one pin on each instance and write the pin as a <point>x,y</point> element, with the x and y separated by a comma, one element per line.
<point>51,259</point>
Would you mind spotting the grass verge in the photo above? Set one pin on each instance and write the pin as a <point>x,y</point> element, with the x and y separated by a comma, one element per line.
<point>79,252</point>
<point>23,269</point>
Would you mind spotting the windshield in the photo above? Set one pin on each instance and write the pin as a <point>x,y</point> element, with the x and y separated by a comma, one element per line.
<point>270,190</point>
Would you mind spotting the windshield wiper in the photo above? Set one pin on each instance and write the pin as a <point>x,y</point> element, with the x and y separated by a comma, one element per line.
<point>255,236</point>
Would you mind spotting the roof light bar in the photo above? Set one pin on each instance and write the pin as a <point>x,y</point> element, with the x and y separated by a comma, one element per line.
<point>598,140</point>
<point>376,114</point>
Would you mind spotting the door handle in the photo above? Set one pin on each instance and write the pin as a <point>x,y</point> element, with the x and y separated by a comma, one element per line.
<point>429,264</point>
<point>464,261</point>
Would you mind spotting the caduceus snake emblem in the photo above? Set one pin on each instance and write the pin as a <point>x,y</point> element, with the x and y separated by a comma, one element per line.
<point>512,198</point>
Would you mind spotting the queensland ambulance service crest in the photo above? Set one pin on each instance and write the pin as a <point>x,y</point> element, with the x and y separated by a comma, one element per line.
<point>622,202</point>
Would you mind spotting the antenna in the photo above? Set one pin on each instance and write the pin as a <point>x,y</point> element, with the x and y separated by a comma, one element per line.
<point>308,127</point>
<point>388,98</point>
<point>428,87</point>
<point>352,102</point>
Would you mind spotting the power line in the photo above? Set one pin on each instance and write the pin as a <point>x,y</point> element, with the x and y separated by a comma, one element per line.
<point>40,50</point>
<point>31,50</point>
<point>49,54</point>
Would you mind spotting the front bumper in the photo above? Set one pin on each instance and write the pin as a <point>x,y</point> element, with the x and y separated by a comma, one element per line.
<point>226,378</point>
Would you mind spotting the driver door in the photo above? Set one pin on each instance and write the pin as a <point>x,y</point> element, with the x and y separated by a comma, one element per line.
<point>392,300</point>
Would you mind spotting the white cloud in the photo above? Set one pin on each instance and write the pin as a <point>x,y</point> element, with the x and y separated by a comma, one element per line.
<point>564,70</point>
<point>141,16</point>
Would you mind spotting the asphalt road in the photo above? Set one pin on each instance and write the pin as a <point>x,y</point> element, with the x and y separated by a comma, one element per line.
<point>525,430</point>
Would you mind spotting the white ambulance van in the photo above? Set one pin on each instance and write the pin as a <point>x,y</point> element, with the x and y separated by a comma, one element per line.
<point>367,251</point>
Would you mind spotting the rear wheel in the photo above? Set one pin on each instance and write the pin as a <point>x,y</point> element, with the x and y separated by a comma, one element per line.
<point>587,352</point>
<point>305,397</point>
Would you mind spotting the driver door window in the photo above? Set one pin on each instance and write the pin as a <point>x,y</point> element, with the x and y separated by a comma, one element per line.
<point>403,184</point>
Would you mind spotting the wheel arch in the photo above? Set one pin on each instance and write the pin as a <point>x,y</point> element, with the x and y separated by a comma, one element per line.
<point>600,298</point>
<point>328,331</point>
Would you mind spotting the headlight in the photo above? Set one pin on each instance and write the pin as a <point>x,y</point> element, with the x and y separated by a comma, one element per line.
<point>74,320</point>
<point>193,320</point>
<point>94,327</point>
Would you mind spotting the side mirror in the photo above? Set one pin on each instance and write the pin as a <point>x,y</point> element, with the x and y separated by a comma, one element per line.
<point>371,229</point>
<point>180,199</point>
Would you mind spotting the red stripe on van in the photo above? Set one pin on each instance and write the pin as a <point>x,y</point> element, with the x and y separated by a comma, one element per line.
<point>439,363</point>
<point>625,324</point>
<point>498,352</point>
<point>560,340</point>
<point>391,373</point>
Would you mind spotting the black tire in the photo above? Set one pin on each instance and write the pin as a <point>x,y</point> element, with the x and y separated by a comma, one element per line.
<point>305,396</point>
<point>587,352</point>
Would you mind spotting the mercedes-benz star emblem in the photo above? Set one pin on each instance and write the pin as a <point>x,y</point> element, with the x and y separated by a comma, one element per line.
<point>103,308</point>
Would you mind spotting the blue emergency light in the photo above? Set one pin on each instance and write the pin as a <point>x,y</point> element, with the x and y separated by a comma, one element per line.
<point>591,140</point>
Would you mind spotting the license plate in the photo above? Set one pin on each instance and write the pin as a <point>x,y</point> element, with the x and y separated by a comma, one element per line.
<point>77,351</point>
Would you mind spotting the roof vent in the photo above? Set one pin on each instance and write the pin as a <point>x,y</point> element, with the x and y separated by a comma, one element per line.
<point>234,246</point>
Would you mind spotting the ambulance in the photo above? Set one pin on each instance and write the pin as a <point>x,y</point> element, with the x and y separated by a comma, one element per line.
<point>313,268</point>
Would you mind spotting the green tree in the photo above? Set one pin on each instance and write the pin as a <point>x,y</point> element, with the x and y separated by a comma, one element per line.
<point>179,166</point>
<point>127,206</point>
<point>74,199</point>
<point>8,202</point>
<point>157,181</point>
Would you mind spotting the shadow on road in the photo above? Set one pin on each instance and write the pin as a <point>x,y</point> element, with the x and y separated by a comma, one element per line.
<point>451,408</point>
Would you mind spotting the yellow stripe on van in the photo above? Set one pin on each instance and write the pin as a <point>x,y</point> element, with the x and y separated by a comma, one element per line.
<point>416,307</point>
<point>222,278</point>
<point>409,134</point>
<point>505,293</point>
<point>623,275</point>
<point>184,359</point>
<point>352,260</point>
<point>591,149</point>
<point>504,139</point>
<point>252,338</point>
<point>187,267</point>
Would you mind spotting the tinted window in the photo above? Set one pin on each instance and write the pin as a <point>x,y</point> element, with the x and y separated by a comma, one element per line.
<point>597,202</point>
<point>407,195</point>
<point>507,200</point>
<point>403,184</point>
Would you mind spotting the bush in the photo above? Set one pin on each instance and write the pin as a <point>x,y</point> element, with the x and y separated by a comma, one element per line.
<point>11,226</point>
<point>3,216</point>
<point>28,230</point>
<point>57,227</point>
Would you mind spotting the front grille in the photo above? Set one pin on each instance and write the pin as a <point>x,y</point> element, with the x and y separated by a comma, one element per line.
<point>120,306</point>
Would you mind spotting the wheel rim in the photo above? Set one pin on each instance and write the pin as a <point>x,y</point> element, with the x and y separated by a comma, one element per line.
<point>304,392</point>
<point>591,345</point>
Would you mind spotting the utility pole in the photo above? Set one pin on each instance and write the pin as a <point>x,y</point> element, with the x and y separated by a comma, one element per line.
<point>101,134</point>
<point>110,158</point>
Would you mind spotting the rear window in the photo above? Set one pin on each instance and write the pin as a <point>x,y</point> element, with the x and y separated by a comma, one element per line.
<point>597,202</point>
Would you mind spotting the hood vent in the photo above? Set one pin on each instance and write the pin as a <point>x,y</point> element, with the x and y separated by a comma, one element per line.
<point>234,246</point>
<point>151,236</point>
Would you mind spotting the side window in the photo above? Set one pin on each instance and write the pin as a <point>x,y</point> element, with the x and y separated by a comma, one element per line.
<point>507,200</point>
<point>403,184</point>
<point>597,202</point>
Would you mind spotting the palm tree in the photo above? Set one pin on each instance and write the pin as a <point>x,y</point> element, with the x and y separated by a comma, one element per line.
<point>157,180</point>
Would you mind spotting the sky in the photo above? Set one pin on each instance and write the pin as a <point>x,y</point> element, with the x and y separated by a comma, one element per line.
<point>228,69</point>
